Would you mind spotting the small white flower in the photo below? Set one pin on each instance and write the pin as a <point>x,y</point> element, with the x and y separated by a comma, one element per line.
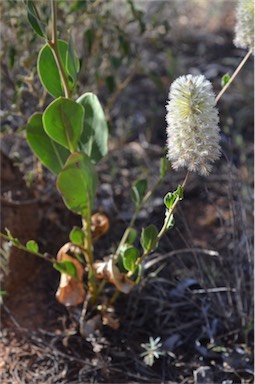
<point>192,118</point>
<point>152,351</point>
<point>244,28</point>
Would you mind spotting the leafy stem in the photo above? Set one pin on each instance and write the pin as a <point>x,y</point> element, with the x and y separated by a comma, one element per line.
<point>166,222</point>
<point>171,210</point>
<point>18,245</point>
<point>53,43</point>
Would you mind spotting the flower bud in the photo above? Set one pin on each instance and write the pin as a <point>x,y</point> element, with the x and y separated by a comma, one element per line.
<point>192,118</point>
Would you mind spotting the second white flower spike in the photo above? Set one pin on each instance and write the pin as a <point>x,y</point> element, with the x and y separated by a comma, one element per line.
<point>192,130</point>
<point>244,29</point>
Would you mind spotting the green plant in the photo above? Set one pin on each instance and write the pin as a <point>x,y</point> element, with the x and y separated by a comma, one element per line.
<point>71,136</point>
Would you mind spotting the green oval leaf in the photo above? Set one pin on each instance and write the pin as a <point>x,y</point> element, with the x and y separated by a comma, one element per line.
<point>132,234</point>
<point>169,199</point>
<point>62,121</point>
<point>77,236</point>
<point>32,246</point>
<point>225,79</point>
<point>149,239</point>
<point>51,154</point>
<point>77,184</point>
<point>34,20</point>
<point>48,70</point>
<point>130,256</point>
<point>138,191</point>
<point>122,250</point>
<point>66,267</point>
<point>94,137</point>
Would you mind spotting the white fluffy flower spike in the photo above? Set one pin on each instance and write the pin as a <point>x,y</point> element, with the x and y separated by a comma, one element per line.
<point>244,28</point>
<point>192,118</point>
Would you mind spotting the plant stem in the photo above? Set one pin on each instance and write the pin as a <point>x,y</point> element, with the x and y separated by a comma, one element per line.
<point>53,43</point>
<point>88,254</point>
<point>165,225</point>
<point>238,69</point>
<point>18,245</point>
<point>54,36</point>
<point>97,292</point>
<point>171,210</point>
<point>86,227</point>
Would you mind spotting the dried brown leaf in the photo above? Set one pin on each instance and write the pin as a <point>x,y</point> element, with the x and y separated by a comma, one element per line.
<point>71,291</point>
<point>109,271</point>
<point>99,225</point>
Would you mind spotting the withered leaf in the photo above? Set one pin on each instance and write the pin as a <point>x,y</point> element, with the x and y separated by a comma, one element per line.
<point>71,291</point>
<point>109,271</point>
<point>99,225</point>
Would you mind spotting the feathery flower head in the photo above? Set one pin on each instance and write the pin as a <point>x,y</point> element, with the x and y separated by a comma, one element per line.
<point>244,28</point>
<point>192,118</point>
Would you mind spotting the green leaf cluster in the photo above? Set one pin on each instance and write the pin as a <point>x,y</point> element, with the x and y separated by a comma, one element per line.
<point>70,135</point>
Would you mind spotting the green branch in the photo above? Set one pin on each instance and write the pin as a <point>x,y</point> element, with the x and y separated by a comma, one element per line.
<point>166,222</point>
<point>17,244</point>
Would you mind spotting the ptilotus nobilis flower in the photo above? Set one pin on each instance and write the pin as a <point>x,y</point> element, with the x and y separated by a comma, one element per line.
<point>244,28</point>
<point>192,131</point>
